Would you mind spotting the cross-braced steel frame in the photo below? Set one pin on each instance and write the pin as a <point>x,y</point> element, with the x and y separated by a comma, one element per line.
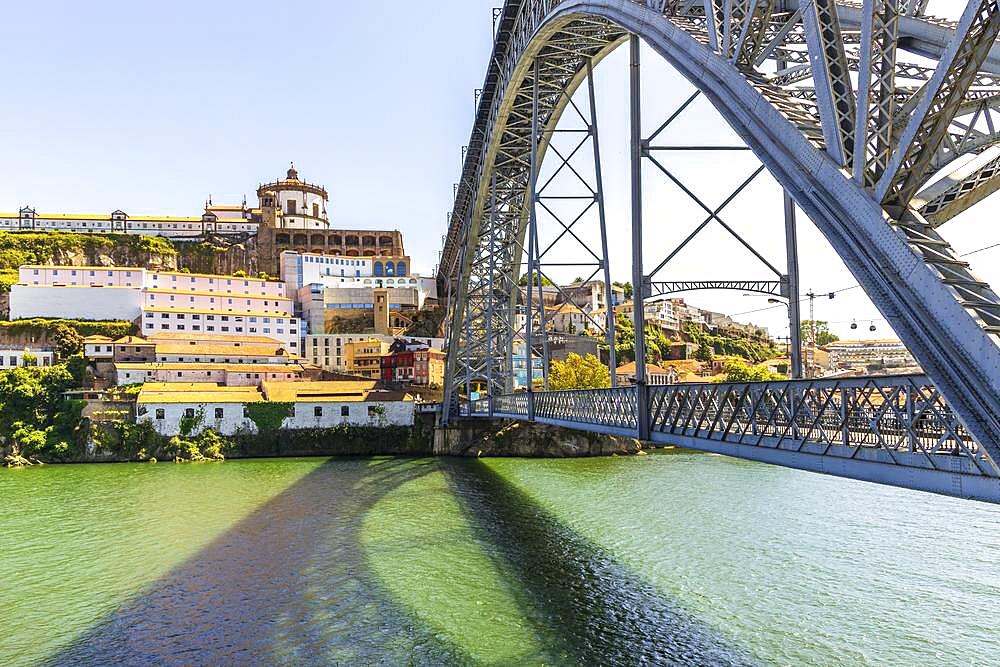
<point>864,164</point>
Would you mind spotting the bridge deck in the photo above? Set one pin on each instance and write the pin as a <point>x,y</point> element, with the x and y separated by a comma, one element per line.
<point>890,430</point>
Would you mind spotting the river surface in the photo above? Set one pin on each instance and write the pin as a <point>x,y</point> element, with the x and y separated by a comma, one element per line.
<point>671,558</point>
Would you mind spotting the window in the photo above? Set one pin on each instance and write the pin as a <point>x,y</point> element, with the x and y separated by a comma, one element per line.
<point>372,410</point>
<point>218,413</point>
<point>189,413</point>
<point>345,411</point>
<point>159,413</point>
<point>318,411</point>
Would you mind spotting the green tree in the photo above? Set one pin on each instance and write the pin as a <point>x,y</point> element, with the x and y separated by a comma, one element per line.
<point>627,287</point>
<point>704,353</point>
<point>29,359</point>
<point>579,373</point>
<point>67,340</point>
<point>657,343</point>
<point>823,335</point>
<point>737,370</point>
<point>523,282</point>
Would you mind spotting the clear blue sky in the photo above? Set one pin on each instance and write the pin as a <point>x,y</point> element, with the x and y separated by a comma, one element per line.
<point>151,107</point>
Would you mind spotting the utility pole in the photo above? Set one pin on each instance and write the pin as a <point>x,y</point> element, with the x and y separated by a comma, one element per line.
<point>812,329</point>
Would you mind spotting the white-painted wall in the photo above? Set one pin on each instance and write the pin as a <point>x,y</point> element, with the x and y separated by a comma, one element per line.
<point>287,330</point>
<point>396,413</point>
<point>232,420</point>
<point>12,358</point>
<point>83,303</point>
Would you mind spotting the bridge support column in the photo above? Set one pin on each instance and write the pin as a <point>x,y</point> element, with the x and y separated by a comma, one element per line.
<point>638,277</point>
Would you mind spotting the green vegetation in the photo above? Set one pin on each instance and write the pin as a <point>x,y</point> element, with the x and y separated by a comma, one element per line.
<point>38,420</point>
<point>627,287</point>
<point>823,335</point>
<point>657,343</point>
<point>268,417</point>
<point>751,349</point>
<point>736,370</point>
<point>189,424</point>
<point>523,282</point>
<point>39,327</point>
<point>19,248</point>
<point>579,373</point>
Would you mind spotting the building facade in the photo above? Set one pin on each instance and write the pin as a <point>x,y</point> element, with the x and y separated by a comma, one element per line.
<point>160,301</point>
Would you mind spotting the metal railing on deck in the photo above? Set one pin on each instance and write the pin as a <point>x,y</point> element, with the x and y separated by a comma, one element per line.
<point>903,418</point>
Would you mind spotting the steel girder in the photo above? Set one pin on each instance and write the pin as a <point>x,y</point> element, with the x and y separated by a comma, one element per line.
<point>940,310</point>
<point>769,287</point>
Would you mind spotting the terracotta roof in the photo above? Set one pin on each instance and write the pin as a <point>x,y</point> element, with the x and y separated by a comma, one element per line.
<point>629,369</point>
<point>97,339</point>
<point>132,340</point>
<point>232,368</point>
<point>329,391</point>
<point>234,349</point>
<point>188,336</point>
<point>196,392</point>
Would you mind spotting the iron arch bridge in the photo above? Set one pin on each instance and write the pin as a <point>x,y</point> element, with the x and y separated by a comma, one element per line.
<point>877,147</point>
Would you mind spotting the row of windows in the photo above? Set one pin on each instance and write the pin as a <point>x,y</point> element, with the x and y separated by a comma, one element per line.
<point>224,329</point>
<point>211,299</point>
<point>224,318</point>
<point>220,413</point>
<point>335,260</point>
<point>62,224</point>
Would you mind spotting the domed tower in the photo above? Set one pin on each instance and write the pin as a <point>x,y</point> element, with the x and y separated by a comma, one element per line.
<point>292,203</point>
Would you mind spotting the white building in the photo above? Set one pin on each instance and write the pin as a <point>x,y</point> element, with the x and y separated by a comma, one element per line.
<point>314,405</point>
<point>164,301</point>
<point>299,270</point>
<point>229,375</point>
<point>14,357</point>
<point>330,404</point>
<point>223,220</point>
<point>220,408</point>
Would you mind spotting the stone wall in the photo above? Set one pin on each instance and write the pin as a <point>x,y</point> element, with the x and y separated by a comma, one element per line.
<point>482,437</point>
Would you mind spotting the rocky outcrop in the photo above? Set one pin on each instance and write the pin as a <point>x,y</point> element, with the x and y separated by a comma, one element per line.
<point>520,439</point>
<point>217,254</point>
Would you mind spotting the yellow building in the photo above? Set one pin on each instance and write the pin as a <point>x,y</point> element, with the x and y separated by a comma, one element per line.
<point>364,357</point>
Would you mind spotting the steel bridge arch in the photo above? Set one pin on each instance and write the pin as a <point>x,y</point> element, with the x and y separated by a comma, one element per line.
<point>954,345</point>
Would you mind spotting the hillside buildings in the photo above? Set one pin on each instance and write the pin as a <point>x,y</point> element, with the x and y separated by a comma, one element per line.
<point>326,288</point>
<point>291,214</point>
<point>870,355</point>
<point>160,301</point>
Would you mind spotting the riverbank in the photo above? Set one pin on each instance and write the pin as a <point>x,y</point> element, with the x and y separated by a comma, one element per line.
<point>135,443</point>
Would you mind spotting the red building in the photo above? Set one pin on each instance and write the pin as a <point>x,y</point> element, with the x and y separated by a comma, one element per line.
<point>398,366</point>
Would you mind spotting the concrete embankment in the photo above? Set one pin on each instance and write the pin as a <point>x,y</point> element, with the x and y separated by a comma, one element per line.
<point>481,437</point>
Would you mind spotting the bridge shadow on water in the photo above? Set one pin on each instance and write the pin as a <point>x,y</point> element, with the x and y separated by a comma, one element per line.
<point>576,594</point>
<point>291,584</point>
<point>285,585</point>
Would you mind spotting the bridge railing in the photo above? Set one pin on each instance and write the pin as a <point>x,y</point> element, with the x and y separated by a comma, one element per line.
<point>511,405</point>
<point>900,419</point>
<point>611,410</point>
<point>903,419</point>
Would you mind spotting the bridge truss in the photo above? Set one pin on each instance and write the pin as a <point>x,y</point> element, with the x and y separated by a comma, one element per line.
<point>876,166</point>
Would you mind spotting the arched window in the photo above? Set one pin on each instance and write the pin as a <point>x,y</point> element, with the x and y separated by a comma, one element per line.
<point>389,269</point>
<point>400,268</point>
<point>378,268</point>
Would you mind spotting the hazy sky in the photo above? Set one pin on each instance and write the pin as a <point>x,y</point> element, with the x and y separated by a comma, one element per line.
<point>152,107</point>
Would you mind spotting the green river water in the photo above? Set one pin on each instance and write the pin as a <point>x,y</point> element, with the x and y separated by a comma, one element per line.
<point>671,558</point>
